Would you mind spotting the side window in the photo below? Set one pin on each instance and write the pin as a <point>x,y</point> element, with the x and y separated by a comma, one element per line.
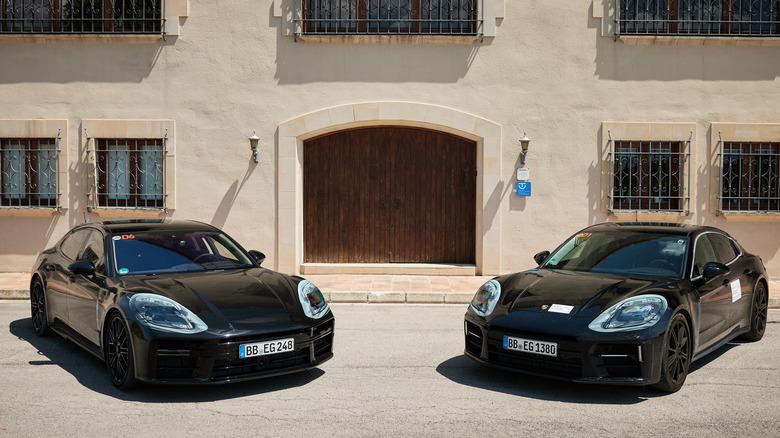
<point>724,248</point>
<point>72,244</point>
<point>703,254</point>
<point>94,250</point>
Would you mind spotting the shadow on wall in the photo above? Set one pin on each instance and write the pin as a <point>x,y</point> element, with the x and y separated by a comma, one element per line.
<point>226,205</point>
<point>304,62</point>
<point>86,61</point>
<point>719,61</point>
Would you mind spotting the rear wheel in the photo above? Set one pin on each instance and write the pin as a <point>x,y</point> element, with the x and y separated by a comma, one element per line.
<point>677,355</point>
<point>758,317</point>
<point>38,314</point>
<point>119,353</point>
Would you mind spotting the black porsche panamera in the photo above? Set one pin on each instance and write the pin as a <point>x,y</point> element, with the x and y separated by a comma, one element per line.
<point>621,303</point>
<point>164,301</point>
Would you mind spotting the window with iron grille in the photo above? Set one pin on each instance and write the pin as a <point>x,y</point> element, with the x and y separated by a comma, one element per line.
<point>395,17</point>
<point>81,16</point>
<point>698,17</point>
<point>129,173</point>
<point>649,175</point>
<point>749,176</point>
<point>29,169</point>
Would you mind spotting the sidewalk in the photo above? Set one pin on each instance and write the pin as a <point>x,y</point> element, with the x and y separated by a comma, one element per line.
<point>411,289</point>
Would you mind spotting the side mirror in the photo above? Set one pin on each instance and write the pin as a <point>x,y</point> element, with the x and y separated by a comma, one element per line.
<point>714,269</point>
<point>258,256</point>
<point>541,256</point>
<point>83,267</point>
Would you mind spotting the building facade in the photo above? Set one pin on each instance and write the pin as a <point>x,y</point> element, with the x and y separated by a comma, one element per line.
<point>388,132</point>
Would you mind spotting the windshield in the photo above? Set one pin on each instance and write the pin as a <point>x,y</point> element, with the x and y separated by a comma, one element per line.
<point>161,252</point>
<point>622,252</point>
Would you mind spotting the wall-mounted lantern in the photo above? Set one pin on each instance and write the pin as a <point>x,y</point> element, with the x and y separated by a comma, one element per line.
<point>524,145</point>
<point>253,140</point>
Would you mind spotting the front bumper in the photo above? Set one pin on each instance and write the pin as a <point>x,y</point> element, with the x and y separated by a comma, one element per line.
<point>628,358</point>
<point>214,361</point>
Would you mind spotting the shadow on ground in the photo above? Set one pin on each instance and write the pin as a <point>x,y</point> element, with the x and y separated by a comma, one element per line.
<point>462,370</point>
<point>91,372</point>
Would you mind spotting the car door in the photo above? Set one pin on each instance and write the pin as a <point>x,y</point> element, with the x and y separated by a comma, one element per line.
<point>739,280</point>
<point>58,276</point>
<point>84,291</point>
<point>714,293</point>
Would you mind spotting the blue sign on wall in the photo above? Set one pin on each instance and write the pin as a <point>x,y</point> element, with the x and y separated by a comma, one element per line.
<point>524,188</point>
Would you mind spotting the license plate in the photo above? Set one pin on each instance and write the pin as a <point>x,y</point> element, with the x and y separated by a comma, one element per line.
<point>265,348</point>
<point>531,346</point>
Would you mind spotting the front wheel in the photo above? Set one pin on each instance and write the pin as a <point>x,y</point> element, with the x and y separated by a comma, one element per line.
<point>759,314</point>
<point>677,355</point>
<point>40,321</point>
<point>119,353</point>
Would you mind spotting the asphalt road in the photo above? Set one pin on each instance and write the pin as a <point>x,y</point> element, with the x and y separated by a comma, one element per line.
<point>398,371</point>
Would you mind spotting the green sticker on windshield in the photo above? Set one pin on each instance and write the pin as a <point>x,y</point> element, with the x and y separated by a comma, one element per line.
<point>123,271</point>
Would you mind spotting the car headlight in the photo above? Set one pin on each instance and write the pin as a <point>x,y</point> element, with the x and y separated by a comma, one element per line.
<point>485,299</point>
<point>164,314</point>
<point>631,314</point>
<point>312,301</point>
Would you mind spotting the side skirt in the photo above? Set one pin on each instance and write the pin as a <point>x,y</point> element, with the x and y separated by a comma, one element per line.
<point>66,332</point>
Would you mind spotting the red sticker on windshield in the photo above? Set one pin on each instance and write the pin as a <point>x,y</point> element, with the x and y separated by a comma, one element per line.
<point>128,236</point>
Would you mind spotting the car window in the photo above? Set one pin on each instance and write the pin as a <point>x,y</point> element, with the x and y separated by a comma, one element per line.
<point>703,254</point>
<point>72,244</point>
<point>94,250</point>
<point>174,251</point>
<point>724,248</point>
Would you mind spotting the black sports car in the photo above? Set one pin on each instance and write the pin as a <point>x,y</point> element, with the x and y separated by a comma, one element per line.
<point>621,303</point>
<point>177,302</point>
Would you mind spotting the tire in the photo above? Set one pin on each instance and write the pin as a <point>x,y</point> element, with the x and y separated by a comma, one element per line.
<point>38,313</point>
<point>119,353</point>
<point>758,314</point>
<point>677,355</point>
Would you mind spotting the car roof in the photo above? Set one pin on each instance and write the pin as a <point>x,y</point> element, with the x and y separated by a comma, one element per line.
<point>657,227</point>
<point>138,225</point>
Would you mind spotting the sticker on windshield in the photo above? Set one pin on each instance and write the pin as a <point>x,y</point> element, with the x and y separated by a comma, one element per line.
<point>123,271</point>
<point>584,234</point>
<point>117,238</point>
<point>736,290</point>
<point>560,308</point>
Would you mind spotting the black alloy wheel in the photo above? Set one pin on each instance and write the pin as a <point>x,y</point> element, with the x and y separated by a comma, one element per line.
<point>677,355</point>
<point>759,316</point>
<point>38,309</point>
<point>119,353</point>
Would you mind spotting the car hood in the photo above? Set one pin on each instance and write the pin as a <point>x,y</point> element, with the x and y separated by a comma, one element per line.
<point>252,300</point>
<point>575,293</point>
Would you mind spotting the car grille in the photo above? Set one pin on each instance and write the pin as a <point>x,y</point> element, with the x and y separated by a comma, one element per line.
<point>617,360</point>
<point>568,363</point>
<point>218,360</point>
<point>473,339</point>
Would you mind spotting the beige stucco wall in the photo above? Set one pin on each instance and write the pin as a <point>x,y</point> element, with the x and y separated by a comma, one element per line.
<point>550,69</point>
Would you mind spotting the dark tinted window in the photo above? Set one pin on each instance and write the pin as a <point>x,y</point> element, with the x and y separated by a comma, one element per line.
<point>94,250</point>
<point>72,245</point>
<point>724,248</point>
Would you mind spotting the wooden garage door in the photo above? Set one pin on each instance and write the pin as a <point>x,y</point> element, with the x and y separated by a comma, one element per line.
<point>389,195</point>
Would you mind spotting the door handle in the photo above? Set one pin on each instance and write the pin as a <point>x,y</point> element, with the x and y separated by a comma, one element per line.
<point>381,204</point>
<point>397,204</point>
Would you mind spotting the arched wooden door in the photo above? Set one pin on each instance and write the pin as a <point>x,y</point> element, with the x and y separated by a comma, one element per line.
<point>389,195</point>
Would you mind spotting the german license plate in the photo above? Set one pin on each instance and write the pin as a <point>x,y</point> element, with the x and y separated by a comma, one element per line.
<point>531,346</point>
<point>265,348</point>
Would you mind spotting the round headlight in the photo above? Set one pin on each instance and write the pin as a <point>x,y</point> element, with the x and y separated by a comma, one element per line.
<point>485,299</point>
<point>631,314</point>
<point>164,314</point>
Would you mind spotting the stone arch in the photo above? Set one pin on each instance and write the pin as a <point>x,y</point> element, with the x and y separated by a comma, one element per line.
<point>294,132</point>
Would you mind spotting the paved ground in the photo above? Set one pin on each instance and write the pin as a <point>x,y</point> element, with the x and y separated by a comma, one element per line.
<point>398,371</point>
<point>365,288</point>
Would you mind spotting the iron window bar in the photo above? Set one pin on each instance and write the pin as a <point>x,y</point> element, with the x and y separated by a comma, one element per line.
<point>743,18</point>
<point>388,17</point>
<point>82,17</point>
<point>30,172</point>
<point>749,177</point>
<point>127,173</point>
<point>649,175</point>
